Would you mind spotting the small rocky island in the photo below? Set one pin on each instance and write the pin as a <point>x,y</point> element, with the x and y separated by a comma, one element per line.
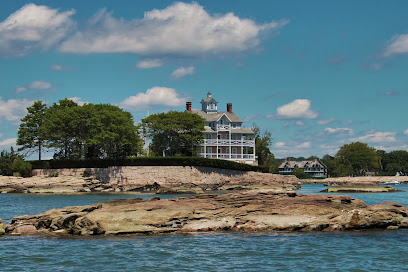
<point>360,188</point>
<point>249,211</point>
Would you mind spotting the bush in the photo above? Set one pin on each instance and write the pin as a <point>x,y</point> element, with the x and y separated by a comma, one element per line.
<point>148,161</point>
<point>300,173</point>
<point>23,168</point>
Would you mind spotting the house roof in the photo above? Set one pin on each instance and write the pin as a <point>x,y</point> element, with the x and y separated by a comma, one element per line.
<point>213,117</point>
<point>208,99</point>
<point>301,164</point>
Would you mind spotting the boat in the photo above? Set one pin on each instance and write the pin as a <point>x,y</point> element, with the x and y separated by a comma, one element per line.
<point>393,182</point>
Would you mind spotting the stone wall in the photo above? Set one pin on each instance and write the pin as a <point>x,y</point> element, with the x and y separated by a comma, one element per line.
<point>171,176</point>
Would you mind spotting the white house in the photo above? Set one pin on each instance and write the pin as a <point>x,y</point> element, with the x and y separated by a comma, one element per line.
<point>225,138</point>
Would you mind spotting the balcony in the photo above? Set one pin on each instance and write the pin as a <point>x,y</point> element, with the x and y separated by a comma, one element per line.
<point>226,156</point>
<point>227,142</point>
<point>223,127</point>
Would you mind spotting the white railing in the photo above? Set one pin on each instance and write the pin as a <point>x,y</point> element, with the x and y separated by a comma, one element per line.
<point>229,142</point>
<point>227,156</point>
<point>223,127</point>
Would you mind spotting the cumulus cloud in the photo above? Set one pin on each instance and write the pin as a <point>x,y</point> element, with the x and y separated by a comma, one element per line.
<point>150,63</point>
<point>182,72</point>
<point>35,85</point>
<point>325,122</point>
<point>300,123</point>
<point>8,142</point>
<point>298,109</point>
<point>397,45</point>
<point>154,97</point>
<point>182,29</point>
<point>33,28</point>
<point>377,137</point>
<point>339,131</point>
<point>59,67</point>
<point>304,145</point>
<point>13,109</point>
<point>280,144</point>
<point>78,100</point>
<point>406,132</point>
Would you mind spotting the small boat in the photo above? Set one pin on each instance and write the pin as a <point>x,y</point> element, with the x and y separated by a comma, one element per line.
<point>393,182</point>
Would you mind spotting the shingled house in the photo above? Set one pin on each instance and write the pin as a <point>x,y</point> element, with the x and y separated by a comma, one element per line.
<point>313,168</point>
<point>225,137</point>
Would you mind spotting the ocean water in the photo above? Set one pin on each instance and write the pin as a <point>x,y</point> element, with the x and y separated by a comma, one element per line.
<point>340,251</point>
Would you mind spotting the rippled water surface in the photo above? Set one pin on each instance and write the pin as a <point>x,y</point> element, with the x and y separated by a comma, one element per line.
<point>343,251</point>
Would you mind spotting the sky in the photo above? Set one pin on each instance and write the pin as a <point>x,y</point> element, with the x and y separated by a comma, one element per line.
<point>316,74</point>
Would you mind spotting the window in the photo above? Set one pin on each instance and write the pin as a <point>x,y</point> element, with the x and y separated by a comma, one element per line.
<point>234,150</point>
<point>221,121</point>
<point>228,150</point>
<point>210,150</point>
<point>233,136</point>
<point>202,149</point>
<point>234,125</point>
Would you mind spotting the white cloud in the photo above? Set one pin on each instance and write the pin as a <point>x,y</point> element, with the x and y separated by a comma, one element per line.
<point>325,122</point>
<point>33,28</point>
<point>35,85</point>
<point>78,100</point>
<point>339,131</point>
<point>13,109</point>
<point>298,109</point>
<point>9,142</point>
<point>150,63</point>
<point>280,144</point>
<point>154,97</point>
<point>377,137</point>
<point>406,132</point>
<point>300,123</point>
<point>182,72</point>
<point>304,145</point>
<point>59,67</point>
<point>182,29</point>
<point>397,45</point>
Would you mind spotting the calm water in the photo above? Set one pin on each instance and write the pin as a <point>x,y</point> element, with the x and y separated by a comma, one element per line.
<point>346,251</point>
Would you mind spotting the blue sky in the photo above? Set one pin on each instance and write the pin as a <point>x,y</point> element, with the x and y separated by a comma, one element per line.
<point>316,74</point>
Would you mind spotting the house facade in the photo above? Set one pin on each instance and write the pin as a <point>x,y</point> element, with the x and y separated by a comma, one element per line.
<point>224,136</point>
<point>314,168</point>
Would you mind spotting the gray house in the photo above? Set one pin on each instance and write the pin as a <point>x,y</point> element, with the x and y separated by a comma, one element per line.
<point>314,168</point>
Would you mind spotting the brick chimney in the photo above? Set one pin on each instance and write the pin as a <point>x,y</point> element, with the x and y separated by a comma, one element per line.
<point>229,107</point>
<point>188,106</point>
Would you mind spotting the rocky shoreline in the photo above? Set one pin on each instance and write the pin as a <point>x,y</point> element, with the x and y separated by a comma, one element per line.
<point>160,180</point>
<point>250,211</point>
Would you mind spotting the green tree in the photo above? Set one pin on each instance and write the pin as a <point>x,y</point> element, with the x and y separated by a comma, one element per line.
<point>356,159</point>
<point>330,163</point>
<point>12,162</point>
<point>174,133</point>
<point>30,134</point>
<point>300,173</point>
<point>113,132</point>
<point>263,143</point>
<point>91,131</point>
<point>394,161</point>
<point>59,128</point>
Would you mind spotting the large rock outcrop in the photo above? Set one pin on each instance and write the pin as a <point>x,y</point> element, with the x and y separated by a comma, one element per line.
<point>161,179</point>
<point>257,210</point>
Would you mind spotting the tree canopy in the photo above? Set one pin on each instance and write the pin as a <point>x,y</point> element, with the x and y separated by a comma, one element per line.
<point>30,133</point>
<point>263,143</point>
<point>88,131</point>
<point>356,159</point>
<point>174,133</point>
